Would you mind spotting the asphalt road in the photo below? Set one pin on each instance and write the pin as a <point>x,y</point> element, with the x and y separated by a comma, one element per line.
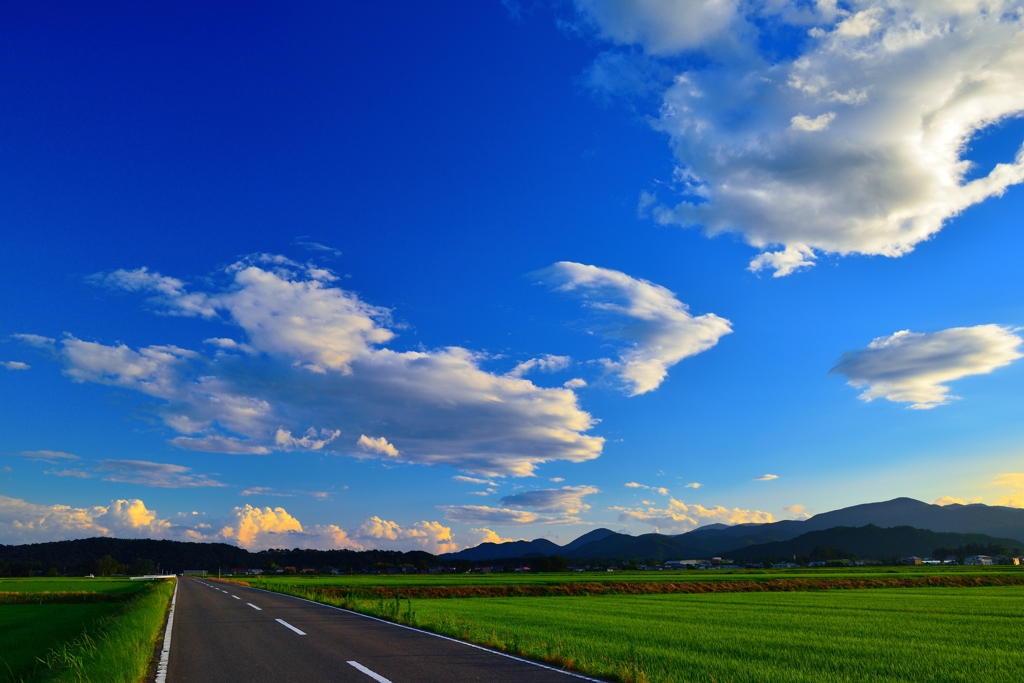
<point>225,632</point>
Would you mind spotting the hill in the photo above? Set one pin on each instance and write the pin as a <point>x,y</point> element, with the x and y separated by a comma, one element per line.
<point>872,542</point>
<point>991,521</point>
<point>83,557</point>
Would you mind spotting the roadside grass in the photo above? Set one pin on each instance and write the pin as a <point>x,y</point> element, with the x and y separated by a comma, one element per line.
<point>888,635</point>
<point>109,642</point>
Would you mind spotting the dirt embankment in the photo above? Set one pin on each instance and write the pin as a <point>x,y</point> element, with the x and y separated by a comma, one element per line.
<point>657,587</point>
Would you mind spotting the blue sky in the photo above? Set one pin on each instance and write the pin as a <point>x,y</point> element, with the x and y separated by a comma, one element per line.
<point>420,277</point>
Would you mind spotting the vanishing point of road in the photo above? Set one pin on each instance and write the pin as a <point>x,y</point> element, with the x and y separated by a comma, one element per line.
<point>228,633</point>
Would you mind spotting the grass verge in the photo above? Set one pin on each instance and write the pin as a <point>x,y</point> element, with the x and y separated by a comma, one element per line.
<point>116,648</point>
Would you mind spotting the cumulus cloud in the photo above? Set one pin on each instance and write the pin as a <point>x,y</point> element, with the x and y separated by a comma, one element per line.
<point>797,511</point>
<point>693,485</point>
<point>482,514</point>
<point>35,341</point>
<point>854,144</point>
<point>913,367</point>
<point>315,374</point>
<point>575,383</point>
<point>24,522</point>
<point>432,537</point>
<point>485,535</point>
<point>15,365</point>
<point>145,473</point>
<point>567,500</point>
<point>657,326</point>
<point>679,517</point>
<point>766,477</point>
<point>48,456</point>
<point>251,527</point>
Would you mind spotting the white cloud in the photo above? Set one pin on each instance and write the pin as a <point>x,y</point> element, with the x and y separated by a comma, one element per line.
<point>818,123</point>
<point>557,480</point>
<point>78,474</point>
<point>432,537</point>
<point>575,383</point>
<point>379,445</point>
<point>766,477</point>
<point>660,330</point>
<point>472,480</point>
<point>657,489</point>
<point>662,27</point>
<point>482,514</point>
<point>163,475</point>
<point>913,367</point>
<point>855,144</point>
<point>35,340</point>
<point>546,363</point>
<point>679,517</point>
<point>257,528</point>
<point>48,456</point>
<point>314,366</point>
<point>567,500</point>
<point>693,485</point>
<point>15,365</point>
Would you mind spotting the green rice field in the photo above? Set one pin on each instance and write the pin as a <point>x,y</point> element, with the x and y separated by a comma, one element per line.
<point>833,636</point>
<point>82,629</point>
<point>803,635</point>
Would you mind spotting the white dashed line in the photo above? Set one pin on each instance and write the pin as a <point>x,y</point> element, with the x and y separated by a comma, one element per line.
<point>236,597</point>
<point>375,676</point>
<point>287,625</point>
<point>258,609</point>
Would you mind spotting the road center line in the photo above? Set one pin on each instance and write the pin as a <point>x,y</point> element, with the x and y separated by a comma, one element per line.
<point>236,597</point>
<point>258,609</point>
<point>375,676</point>
<point>287,625</point>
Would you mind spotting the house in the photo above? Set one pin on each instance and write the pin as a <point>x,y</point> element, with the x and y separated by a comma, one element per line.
<point>238,570</point>
<point>911,560</point>
<point>978,560</point>
<point>682,564</point>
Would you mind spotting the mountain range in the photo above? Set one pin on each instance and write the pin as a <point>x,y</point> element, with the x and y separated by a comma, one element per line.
<point>983,523</point>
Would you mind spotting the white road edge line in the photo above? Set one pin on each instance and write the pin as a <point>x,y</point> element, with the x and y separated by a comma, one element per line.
<point>258,609</point>
<point>287,625</point>
<point>165,653</point>
<point>372,674</point>
<point>438,635</point>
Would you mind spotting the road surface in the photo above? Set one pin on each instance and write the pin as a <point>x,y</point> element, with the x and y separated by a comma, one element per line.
<point>225,633</point>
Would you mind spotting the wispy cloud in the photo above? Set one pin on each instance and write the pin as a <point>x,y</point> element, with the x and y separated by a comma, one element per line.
<point>914,367</point>
<point>15,365</point>
<point>48,456</point>
<point>483,514</point>
<point>766,477</point>
<point>658,329</point>
<point>657,489</point>
<point>145,473</point>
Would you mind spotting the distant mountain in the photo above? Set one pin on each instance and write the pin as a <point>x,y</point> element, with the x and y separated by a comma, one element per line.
<point>716,539</point>
<point>505,551</point>
<point>871,541</point>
